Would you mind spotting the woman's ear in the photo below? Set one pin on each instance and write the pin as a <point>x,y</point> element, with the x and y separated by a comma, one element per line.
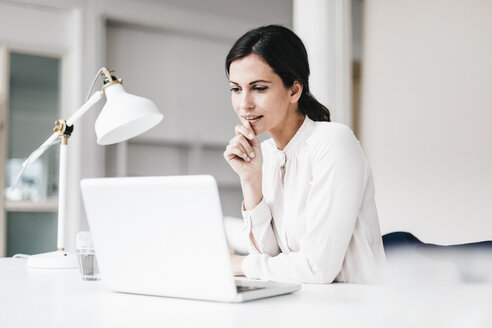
<point>295,91</point>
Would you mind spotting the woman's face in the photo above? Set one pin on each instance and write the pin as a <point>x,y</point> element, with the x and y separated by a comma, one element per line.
<point>259,95</point>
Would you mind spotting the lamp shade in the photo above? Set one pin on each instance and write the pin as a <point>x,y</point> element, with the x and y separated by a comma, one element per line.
<point>124,116</point>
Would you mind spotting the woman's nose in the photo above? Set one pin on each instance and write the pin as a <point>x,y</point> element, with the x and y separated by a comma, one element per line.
<point>246,101</point>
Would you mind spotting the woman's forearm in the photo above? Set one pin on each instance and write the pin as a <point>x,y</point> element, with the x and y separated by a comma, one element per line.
<point>252,192</point>
<point>252,197</point>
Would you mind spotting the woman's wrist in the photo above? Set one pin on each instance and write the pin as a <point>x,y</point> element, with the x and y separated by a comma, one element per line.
<point>252,193</point>
<point>251,180</point>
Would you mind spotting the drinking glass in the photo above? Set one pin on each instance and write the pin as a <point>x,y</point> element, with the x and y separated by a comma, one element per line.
<point>86,256</point>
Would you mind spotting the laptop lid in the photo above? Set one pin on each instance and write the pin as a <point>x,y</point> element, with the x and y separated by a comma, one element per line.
<point>160,236</point>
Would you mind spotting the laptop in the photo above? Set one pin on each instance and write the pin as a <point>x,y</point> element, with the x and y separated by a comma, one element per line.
<point>164,236</point>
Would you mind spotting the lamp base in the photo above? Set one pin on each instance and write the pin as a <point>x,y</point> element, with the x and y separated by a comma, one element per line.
<point>53,260</point>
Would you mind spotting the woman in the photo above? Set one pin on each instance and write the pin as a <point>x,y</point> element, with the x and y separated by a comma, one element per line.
<point>309,208</point>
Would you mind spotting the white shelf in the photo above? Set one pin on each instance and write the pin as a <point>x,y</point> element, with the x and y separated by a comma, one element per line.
<point>208,145</point>
<point>48,205</point>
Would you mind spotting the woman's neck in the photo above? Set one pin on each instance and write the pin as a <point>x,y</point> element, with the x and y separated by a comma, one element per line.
<point>284,132</point>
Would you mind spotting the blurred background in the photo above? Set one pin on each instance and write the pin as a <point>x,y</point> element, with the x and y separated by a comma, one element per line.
<point>413,79</point>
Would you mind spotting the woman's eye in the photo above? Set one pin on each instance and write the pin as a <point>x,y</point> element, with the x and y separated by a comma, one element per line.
<point>260,88</point>
<point>235,89</point>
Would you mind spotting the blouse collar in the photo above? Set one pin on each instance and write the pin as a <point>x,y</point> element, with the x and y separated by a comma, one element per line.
<point>297,140</point>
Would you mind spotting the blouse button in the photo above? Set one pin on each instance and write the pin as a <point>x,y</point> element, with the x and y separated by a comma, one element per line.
<point>282,158</point>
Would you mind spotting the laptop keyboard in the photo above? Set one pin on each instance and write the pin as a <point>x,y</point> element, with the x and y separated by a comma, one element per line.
<point>242,289</point>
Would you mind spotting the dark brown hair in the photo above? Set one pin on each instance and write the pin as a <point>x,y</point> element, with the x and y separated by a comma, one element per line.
<point>285,53</point>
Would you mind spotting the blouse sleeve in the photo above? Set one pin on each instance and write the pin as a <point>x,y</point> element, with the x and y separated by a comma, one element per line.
<point>258,221</point>
<point>338,183</point>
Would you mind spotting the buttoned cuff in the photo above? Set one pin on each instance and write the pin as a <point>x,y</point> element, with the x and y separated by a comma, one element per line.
<point>258,216</point>
<point>256,221</point>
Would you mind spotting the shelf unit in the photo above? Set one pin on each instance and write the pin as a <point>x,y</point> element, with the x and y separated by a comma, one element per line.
<point>48,205</point>
<point>27,226</point>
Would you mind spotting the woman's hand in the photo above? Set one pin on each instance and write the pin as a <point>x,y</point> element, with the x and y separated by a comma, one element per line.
<point>236,262</point>
<point>243,153</point>
<point>244,156</point>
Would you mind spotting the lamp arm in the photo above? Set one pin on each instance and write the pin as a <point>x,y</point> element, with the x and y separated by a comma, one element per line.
<point>85,107</point>
<point>53,139</point>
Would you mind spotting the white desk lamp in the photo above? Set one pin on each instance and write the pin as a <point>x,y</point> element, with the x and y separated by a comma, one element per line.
<point>123,117</point>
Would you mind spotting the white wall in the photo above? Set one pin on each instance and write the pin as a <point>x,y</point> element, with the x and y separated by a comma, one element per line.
<point>183,74</point>
<point>426,115</point>
<point>17,22</point>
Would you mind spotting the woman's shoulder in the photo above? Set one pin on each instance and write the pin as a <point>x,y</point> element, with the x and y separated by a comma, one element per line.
<point>321,135</point>
<point>335,141</point>
<point>329,133</point>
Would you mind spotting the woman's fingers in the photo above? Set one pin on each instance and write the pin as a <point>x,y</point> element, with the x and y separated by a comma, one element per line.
<point>251,134</point>
<point>243,153</point>
<point>246,131</point>
<point>245,137</point>
<point>246,145</point>
<point>233,151</point>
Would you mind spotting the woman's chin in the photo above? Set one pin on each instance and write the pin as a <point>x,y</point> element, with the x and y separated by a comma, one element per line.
<point>258,130</point>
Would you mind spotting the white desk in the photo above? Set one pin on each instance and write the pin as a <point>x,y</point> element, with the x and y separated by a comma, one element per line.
<point>59,298</point>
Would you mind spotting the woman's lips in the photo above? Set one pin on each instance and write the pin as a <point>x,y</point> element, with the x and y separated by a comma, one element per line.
<point>252,118</point>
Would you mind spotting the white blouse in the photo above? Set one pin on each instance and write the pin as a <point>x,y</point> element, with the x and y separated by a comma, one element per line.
<point>317,221</point>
